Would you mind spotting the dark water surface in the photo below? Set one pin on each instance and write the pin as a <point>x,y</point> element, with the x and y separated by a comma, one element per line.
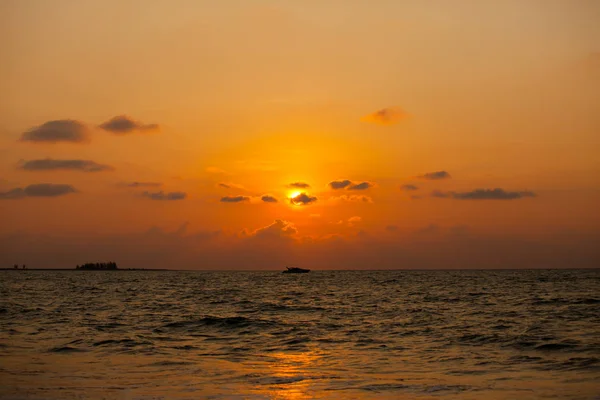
<point>330,334</point>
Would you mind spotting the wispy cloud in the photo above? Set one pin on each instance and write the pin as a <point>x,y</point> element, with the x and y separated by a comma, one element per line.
<point>299,185</point>
<point>62,130</point>
<point>165,196</point>
<point>229,185</point>
<point>39,190</point>
<point>50,164</point>
<point>354,220</point>
<point>122,124</point>
<point>483,194</point>
<point>140,184</point>
<point>409,187</point>
<point>435,175</point>
<point>352,198</point>
<point>234,199</point>
<point>278,229</point>
<point>386,116</point>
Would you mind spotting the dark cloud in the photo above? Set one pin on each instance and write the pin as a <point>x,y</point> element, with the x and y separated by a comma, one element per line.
<point>302,199</point>
<point>141,184</point>
<point>349,185</point>
<point>298,185</point>
<point>16,193</point>
<point>224,185</point>
<point>483,194</point>
<point>435,175</point>
<point>360,186</point>
<point>386,116</point>
<point>335,185</point>
<point>61,130</point>
<point>234,199</point>
<point>409,187</point>
<point>391,228</point>
<point>38,190</point>
<point>165,196</point>
<point>122,124</point>
<point>49,164</point>
<point>268,199</point>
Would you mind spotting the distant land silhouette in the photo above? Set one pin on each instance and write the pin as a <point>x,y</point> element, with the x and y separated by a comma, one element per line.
<point>98,266</point>
<point>102,266</point>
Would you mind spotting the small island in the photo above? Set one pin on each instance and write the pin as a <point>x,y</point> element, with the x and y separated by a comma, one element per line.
<point>98,266</point>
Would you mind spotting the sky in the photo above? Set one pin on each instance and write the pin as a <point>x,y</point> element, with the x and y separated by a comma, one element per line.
<point>324,134</point>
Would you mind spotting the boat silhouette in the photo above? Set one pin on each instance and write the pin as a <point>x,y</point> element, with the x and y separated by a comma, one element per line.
<point>295,270</point>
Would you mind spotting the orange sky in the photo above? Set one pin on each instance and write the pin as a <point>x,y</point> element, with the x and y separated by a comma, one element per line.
<point>218,104</point>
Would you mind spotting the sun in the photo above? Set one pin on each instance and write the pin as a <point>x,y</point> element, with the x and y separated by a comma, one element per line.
<point>294,194</point>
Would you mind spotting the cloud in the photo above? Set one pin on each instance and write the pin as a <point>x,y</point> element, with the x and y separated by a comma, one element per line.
<point>435,175</point>
<point>38,190</point>
<point>278,229</point>
<point>335,185</point>
<point>234,199</point>
<point>61,130</point>
<point>302,199</point>
<point>360,186</point>
<point>391,228</point>
<point>268,199</point>
<point>349,185</point>
<point>386,116</point>
<point>229,185</point>
<point>353,198</point>
<point>483,194</point>
<point>299,185</point>
<point>165,196</point>
<point>49,164</point>
<point>140,184</point>
<point>409,187</point>
<point>122,124</point>
<point>354,220</point>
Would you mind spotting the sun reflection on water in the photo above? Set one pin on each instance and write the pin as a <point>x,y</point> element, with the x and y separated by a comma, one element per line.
<point>291,372</point>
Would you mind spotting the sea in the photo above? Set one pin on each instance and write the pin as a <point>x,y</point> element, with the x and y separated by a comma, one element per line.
<point>472,334</point>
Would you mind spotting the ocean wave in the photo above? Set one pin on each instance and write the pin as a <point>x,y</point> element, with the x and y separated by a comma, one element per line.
<point>555,346</point>
<point>219,322</point>
<point>65,349</point>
